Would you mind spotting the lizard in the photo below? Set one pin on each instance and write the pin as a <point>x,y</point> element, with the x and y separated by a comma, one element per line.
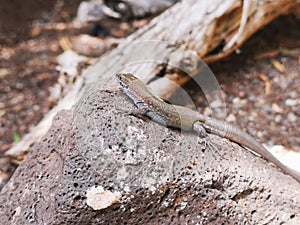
<point>180,117</point>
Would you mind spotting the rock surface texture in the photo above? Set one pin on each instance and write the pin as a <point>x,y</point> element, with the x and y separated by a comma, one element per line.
<point>99,164</point>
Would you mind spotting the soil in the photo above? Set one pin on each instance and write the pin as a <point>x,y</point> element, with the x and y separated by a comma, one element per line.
<point>28,50</point>
<point>27,72</point>
<point>270,115</point>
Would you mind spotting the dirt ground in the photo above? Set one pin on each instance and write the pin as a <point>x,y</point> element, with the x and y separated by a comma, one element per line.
<point>261,83</point>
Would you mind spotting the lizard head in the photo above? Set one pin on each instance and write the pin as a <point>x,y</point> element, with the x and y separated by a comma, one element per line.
<point>125,79</point>
<point>133,87</point>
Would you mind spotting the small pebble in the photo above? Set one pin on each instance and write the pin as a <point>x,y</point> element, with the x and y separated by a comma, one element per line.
<point>293,94</point>
<point>242,113</point>
<point>36,107</point>
<point>292,117</point>
<point>261,101</point>
<point>238,103</point>
<point>217,104</point>
<point>252,97</point>
<point>2,113</point>
<point>270,143</point>
<point>231,118</point>
<point>252,116</point>
<point>292,102</point>
<point>259,134</point>
<point>278,118</point>
<point>266,108</point>
<point>276,108</point>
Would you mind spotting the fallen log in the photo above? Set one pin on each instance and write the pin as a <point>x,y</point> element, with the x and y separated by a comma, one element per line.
<point>200,27</point>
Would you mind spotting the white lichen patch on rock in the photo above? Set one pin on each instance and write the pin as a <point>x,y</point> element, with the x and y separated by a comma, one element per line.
<point>98,198</point>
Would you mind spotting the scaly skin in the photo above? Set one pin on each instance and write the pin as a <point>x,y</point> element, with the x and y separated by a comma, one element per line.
<point>186,119</point>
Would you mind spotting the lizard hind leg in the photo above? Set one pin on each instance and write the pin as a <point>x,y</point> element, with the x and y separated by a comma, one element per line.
<point>199,129</point>
<point>201,132</point>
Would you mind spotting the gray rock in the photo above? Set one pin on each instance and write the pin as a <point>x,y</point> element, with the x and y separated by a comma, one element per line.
<point>142,173</point>
<point>97,10</point>
<point>90,11</point>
